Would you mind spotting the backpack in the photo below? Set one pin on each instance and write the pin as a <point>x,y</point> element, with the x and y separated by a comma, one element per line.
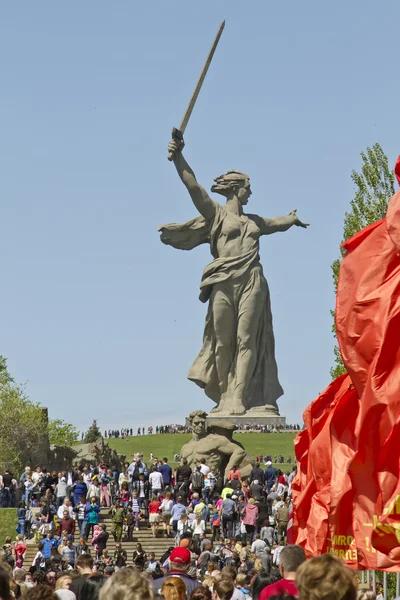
<point>197,480</point>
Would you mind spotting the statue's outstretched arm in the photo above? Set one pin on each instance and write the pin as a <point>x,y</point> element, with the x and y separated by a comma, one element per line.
<point>269,226</point>
<point>200,198</point>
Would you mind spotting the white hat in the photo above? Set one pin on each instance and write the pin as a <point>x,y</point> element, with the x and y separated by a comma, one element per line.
<point>62,479</point>
<point>268,463</point>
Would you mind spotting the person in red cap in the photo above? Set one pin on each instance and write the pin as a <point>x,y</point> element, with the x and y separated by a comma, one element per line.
<point>179,563</point>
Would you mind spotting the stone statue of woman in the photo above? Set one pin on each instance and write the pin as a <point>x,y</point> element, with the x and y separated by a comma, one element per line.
<point>236,366</point>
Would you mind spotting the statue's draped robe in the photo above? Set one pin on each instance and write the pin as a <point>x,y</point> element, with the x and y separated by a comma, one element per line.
<point>264,388</point>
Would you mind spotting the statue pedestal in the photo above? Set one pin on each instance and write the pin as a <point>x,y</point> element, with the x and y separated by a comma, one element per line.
<point>252,417</point>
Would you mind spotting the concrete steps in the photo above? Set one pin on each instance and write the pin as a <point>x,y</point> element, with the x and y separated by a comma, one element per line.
<point>158,545</point>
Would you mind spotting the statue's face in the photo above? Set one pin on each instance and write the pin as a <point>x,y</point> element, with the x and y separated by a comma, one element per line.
<point>244,192</point>
<point>199,426</point>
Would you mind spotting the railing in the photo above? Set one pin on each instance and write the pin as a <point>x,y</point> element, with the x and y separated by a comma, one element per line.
<point>372,578</point>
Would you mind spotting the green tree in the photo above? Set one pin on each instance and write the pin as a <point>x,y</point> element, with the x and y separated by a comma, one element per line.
<point>374,188</point>
<point>92,434</point>
<point>61,433</point>
<point>22,424</point>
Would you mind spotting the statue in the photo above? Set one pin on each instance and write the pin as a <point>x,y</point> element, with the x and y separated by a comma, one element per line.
<point>236,366</point>
<point>214,443</point>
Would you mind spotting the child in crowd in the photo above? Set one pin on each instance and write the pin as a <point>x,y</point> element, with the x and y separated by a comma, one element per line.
<point>124,495</point>
<point>135,509</point>
<point>28,485</point>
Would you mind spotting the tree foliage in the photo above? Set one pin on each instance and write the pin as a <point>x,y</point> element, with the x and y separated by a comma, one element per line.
<point>61,433</point>
<point>24,426</point>
<point>22,423</point>
<point>374,188</point>
<point>92,434</point>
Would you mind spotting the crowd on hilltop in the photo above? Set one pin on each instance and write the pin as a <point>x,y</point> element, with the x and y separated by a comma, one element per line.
<point>228,534</point>
<point>247,427</point>
<point>126,432</point>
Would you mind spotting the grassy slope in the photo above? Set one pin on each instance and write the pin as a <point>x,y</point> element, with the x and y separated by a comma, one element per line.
<point>8,523</point>
<point>169,444</point>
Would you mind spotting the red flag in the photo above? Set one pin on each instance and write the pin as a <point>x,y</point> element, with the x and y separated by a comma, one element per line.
<point>347,494</point>
<point>397,170</point>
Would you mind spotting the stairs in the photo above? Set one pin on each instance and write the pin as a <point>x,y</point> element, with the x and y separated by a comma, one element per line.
<point>158,545</point>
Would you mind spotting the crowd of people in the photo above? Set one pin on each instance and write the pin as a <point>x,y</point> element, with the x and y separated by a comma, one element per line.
<point>126,432</point>
<point>246,427</point>
<point>228,534</point>
<point>254,428</point>
<point>320,578</point>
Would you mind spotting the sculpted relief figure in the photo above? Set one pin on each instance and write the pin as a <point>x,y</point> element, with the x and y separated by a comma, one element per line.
<point>236,366</point>
<point>214,443</point>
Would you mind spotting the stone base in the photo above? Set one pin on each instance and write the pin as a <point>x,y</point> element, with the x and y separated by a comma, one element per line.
<point>251,418</point>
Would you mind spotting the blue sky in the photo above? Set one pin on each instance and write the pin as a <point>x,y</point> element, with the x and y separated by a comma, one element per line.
<point>98,317</point>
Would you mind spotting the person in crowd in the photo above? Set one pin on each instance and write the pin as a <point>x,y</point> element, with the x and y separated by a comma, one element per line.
<point>101,540</point>
<point>223,589</point>
<point>257,473</point>
<point>183,477</point>
<point>179,564</point>
<point>166,514</point>
<point>177,510</point>
<point>199,527</point>
<point>69,553</point>
<point>84,565</point>
<point>91,516</point>
<point>135,469</point>
<point>249,516</point>
<point>49,542</point>
<point>94,490</point>
<point>80,490</point>
<point>39,562</point>
<point>92,586</point>
<point>61,491</point>
<point>19,551</point>
<point>228,512</point>
<point>82,547</point>
<point>63,583</point>
<point>209,485</point>
<point>80,512</point>
<point>66,505</point>
<point>270,475</point>
<point>67,524</point>
<point>197,481</point>
<point>120,556</point>
<point>128,584</point>
<point>324,577</point>
<point>234,471</point>
<point>282,519</point>
<point>118,516</point>
<point>290,559</point>
<point>156,481</point>
<point>139,557</point>
<point>154,514</point>
<point>173,588</point>
<point>267,533</point>
<point>166,473</point>
<point>142,487</point>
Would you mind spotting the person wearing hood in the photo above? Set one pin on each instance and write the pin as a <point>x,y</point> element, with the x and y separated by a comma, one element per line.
<point>249,518</point>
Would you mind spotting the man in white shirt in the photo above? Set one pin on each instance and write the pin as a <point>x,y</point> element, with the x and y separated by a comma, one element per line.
<point>203,467</point>
<point>156,482</point>
<point>66,506</point>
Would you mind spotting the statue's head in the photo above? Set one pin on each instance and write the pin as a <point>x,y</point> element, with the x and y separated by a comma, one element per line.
<point>198,422</point>
<point>233,183</point>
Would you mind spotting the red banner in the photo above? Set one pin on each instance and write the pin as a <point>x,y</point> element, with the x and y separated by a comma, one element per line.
<point>347,494</point>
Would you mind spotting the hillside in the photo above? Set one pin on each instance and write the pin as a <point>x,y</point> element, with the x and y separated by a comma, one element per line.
<point>169,444</point>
